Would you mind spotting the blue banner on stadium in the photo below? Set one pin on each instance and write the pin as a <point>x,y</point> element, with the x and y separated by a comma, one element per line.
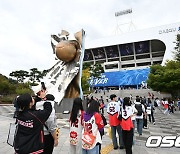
<point>121,78</point>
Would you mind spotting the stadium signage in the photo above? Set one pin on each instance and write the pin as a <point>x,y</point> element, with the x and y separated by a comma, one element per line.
<point>164,142</point>
<point>120,13</point>
<point>102,80</point>
<point>168,30</point>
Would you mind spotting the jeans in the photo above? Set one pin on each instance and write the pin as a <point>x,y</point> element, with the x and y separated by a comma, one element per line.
<point>166,111</point>
<point>76,149</point>
<point>139,126</point>
<point>134,124</point>
<point>114,138</point>
<point>95,150</point>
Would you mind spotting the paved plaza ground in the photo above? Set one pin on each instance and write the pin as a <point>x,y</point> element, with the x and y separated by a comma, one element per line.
<point>165,125</point>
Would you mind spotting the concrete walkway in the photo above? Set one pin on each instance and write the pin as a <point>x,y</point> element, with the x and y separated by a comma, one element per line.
<point>165,125</point>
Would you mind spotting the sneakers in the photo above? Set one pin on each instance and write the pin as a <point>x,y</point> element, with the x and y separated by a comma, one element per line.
<point>154,123</point>
<point>115,148</point>
<point>121,147</point>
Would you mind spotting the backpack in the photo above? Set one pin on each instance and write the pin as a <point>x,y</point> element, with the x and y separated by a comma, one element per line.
<point>155,104</point>
<point>139,109</point>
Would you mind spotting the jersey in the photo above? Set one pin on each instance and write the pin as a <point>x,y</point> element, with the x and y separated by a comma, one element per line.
<point>76,129</point>
<point>126,122</point>
<point>93,125</point>
<point>113,110</point>
<point>166,104</point>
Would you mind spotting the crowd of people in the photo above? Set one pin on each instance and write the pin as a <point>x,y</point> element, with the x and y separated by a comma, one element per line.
<point>37,126</point>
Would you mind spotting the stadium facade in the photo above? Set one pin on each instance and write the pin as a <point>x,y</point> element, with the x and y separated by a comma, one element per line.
<point>126,58</point>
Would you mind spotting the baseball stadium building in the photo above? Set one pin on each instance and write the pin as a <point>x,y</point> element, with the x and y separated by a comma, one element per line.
<point>126,58</point>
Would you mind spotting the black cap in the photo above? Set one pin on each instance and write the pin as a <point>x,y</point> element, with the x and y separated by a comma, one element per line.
<point>50,97</point>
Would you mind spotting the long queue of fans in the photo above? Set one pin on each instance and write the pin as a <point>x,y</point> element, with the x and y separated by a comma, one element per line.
<point>86,126</point>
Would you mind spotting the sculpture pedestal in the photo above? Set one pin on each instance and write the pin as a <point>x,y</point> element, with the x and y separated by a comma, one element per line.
<point>66,105</point>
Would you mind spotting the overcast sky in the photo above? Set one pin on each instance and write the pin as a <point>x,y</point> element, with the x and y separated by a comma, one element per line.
<point>26,25</point>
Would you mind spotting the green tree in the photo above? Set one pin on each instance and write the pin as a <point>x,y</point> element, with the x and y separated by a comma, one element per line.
<point>20,75</point>
<point>34,75</point>
<point>43,73</point>
<point>177,48</point>
<point>23,88</point>
<point>165,78</point>
<point>95,72</point>
<point>85,79</point>
<point>5,86</point>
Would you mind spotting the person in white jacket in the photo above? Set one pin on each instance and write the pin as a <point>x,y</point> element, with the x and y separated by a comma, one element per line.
<point>50,136</point>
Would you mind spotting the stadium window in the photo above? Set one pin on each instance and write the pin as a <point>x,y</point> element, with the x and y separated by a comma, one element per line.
<point>127,58</point>
<point>111,66</point>
<point>113,59</point>
<point>88,55</point>
<point>143,56</point>
<point>126,49</point>
<point>101,61</point>
<point>112,51</point>
<point>128,65</point>
<point>158,54</point>
<point>142,47</point>
<point>157,45</point>
<point>144,64</point>
<point>157,62</point>
<point>99,53</point>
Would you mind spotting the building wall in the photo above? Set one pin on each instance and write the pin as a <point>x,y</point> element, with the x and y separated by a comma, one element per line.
<point>109,51</point>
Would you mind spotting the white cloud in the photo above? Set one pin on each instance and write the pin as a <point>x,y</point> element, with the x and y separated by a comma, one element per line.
<point>26,26</point>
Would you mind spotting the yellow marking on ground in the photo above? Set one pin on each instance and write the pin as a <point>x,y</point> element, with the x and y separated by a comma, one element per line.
<point>107,149</point>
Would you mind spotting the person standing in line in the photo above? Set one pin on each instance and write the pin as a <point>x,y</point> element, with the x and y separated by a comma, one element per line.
<point>93,124</point>
<point>29,137</point>
<point>102,105</point>
<point>76,125</point>
<point>166,106</point>
<point>127,124</point>
<point>107,99</point>
<point>139,116</point>
<point>151,114</point>
<point>145,115</point>
<point>178,103</point>
<point>113,109</point>
<point>157,102</point>
<point>171,106</point>
<point>131,97</point>
<point>133,118</point>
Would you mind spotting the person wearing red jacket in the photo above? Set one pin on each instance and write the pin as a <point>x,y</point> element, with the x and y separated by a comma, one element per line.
<point>113,110</point>
<point>127,125</point>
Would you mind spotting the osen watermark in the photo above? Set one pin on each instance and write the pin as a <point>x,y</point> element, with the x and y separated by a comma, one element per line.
<point>164,142</point>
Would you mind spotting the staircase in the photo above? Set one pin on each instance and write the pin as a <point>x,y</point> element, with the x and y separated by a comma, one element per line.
<point>134,92</point>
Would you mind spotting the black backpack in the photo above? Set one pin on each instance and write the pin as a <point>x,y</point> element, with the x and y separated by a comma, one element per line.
<point>155,104</point>
<point>139,109</point>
